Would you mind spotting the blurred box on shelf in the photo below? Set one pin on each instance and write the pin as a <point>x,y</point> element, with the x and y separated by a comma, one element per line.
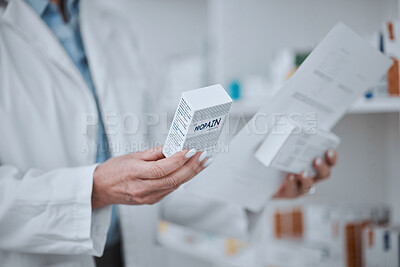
<point>381,246</point>
<point>283,253</point>
<point>206,246</point>
<point>333,233</point>
<point>389,44</point>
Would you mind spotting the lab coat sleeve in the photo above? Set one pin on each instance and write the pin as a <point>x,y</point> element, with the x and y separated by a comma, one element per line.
<point>51,212</point>
<point>186,209</point>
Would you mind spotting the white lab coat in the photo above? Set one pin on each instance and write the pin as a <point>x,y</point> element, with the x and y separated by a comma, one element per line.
<point>46,154</point>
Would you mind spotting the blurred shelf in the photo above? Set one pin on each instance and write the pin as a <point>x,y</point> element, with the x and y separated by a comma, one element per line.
<point>376,105</point>
<point>249,107</point>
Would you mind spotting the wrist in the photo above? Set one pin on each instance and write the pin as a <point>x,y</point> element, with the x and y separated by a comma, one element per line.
<point>97,199</point>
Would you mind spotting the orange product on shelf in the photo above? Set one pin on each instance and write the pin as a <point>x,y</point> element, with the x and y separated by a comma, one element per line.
<point>370,237</point>
<point>393,78</point>
<point>288,224</point>
<point>277,225</point>
<point>297,222</point>
<point>390,30</point>
<point>353,245</point>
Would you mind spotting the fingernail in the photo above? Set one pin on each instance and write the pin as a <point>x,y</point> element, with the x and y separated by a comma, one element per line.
<point>318,161</point>
<point>291,177</point>
<point>203,156</point>
<point>190,153</point>
<point>312,190</point>
<point>207,163</point>
<point>330,153</point>
<point>305,174</point>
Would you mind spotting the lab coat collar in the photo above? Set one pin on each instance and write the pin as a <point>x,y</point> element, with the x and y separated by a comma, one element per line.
<point>21,18</point>
<point>38,5</point>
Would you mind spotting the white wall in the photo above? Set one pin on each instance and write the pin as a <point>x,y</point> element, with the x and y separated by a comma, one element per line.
<point>392,164</point>
<point>253,30</point>
<point>368,161</point>
<point>167,28</point>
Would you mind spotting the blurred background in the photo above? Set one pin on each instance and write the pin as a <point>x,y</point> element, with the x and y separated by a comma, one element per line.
<point>251,47</point>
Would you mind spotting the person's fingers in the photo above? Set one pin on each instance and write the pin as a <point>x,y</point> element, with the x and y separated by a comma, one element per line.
<point>151,154</point>
<point>281,189</point>
<point>331,157</point>
<point>165,166</point>
<point>156,196</point>
<point>306,181</point>
<point>322,169</point>
<point>208,162</point>
<point>160,197</point>
<point>187,172</point>
<point>288,188</point>
<point>143,193</point>
<point>179,176</point>
<point>158,192</point>
<point>203,157</point>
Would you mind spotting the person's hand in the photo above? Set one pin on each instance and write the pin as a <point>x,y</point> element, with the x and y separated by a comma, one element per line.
<point>144,177</point>
<point>296,185</point>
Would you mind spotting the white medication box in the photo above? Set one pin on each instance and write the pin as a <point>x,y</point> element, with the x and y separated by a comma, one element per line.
<point>198,120</point>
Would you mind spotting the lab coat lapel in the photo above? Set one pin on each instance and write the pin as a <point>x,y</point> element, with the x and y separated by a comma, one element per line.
<point>94,38</point>
<point>26,23</point>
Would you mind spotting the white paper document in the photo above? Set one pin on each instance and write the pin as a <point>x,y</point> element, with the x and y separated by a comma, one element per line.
<point>339,70</point>
<point>293,150</point>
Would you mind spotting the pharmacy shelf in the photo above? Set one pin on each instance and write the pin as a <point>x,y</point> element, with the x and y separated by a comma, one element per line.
<point>250,106</point>
<point>376,105</point>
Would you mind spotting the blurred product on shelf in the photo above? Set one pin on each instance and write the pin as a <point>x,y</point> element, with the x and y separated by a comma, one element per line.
<point>312,235</point>
<point>285,63</point>
<point>288,224</point>
<point>251,87</point>
<point>235,90</point>
<point>323,235</point>
<point>381,246</point>
<point>389,44</point>
<point>207,246</point>
<point>299,57</point>
<point>282,67</point>
<point>379,90</point>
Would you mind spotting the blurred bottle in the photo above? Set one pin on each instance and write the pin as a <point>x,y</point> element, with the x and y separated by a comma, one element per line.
<point>235,90</point>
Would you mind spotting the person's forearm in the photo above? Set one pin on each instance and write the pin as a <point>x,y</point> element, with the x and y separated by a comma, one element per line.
<point>58,200</point>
